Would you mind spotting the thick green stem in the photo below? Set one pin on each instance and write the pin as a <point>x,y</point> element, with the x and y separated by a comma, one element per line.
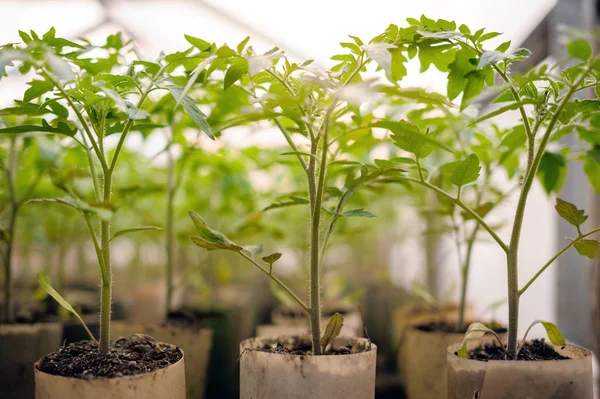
<point>170,238</point>
<point>314,275</point>
<point>106,292</point>
<point>513,252</point>
<point>11,229</point>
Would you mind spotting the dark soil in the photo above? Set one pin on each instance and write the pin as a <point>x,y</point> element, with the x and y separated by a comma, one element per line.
<point>537,349</point>
<point>133,355</point>
<point>448,327</point>
<point>192,318</point>
<point>300,346</point>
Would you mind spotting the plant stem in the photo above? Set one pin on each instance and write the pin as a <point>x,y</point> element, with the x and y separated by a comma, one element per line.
<point>513,252</point>
<point>106,293</point>
<point>558,254</point>
<point>314,275</point>
<point>12,223</point>
<point>170,244</point>
<point>465,278</point>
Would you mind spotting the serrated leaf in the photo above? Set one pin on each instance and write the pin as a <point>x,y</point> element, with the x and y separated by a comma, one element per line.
<point>200,44</point>
<point>192,110</point>
<point>333,329</point>
<point>380,53</point>
<point>103,212</point>
<point>408,137</point>
<point>466,171</point>
<point>491,57</point>
<point>44,283</point>
<point>552,171</point>
<point>570,213</point>
<point>358,213</point>
<point>441,35</point>
<point>588,248</point>
<point>211,239</point>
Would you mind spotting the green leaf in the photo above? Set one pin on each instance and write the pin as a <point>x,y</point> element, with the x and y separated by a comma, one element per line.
<point>491,57</point>
<point>333,329</point>
<point>103,212</point>
<point>133,230</point>
<point>61,128</point>
<point>474,87</point>
<point>408,137</point>
<point>200,44</point>
<point>211,239</point>
<point>59,67</point>
<point>504,46</point>
<point>194,76</point>
<point>234,73</point>
<point>475,331</point>
<point>552,331</point>
<point>192,110</point>
<point>270,259</point>
<point>570,213</point>
<point>459,68</point>
<point>552,171</point>
<point>359,213</point>
<point>579,48</point>
<point>398,69</point>
<point>24,109</point>
<point>37,89</point>
<point>44,283</point>
<point>240,47</point>
<point>466,171</point>
<point>587,248</point>
<point>501,110</point>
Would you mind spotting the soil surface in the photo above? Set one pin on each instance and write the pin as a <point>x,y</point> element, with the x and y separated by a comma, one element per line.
<point>448,327</point>
<point>136,354</point>
<point>301,346</point>
<point>537,349</point>
<point>190,318</point>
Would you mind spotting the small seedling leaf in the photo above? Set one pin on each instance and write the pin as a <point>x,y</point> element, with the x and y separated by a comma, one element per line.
<point>333,329</point>
<point>475,330</point>
<point>270,259</point>
<point>554,334</point>
<point>44,283</point>
<point>133,230</point>
<point>579,48</point>
<point>570,213</point>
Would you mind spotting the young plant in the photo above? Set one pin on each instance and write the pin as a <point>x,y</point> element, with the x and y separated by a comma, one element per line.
<point>87,93</point>
<point>24,161</point>
<point>320,115</point>
<point>543,97</point>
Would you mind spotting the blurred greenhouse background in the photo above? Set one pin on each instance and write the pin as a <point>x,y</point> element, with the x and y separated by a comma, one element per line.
<point>307,29</point>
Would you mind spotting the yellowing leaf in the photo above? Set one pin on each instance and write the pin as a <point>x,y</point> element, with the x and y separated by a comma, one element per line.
<point>333,329</point>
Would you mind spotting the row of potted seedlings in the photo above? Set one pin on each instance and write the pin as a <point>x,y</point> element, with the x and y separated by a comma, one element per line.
<point>87,99</point>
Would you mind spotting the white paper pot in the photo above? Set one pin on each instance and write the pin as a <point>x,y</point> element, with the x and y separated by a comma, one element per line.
<point>353,326</point>
<point>166,383</point>
<point>546,379</point>
<point>277,376</point>
<point>21,345</point>
<point>195,342</point>
<point>423,358</point>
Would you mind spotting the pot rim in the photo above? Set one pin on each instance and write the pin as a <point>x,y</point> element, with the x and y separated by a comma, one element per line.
<point>585,353</point>
<point>125,377</point>
<point>246,344</point>
<point>40,325</point>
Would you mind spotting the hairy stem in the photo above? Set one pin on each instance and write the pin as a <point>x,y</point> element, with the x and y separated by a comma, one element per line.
<point>10,171</point>
<point>465,278</point>
<point>170,233</point>
<point>106,292</point>
<point>513,253</point>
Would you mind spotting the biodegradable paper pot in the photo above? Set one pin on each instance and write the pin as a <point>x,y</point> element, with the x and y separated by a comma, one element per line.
<point>195,342</point>
<point>276,376</point>
<point>546,379</point>
<point>21,345</point>
<point>353,326</point>
<point>423,359</point>
<point>166,383</point>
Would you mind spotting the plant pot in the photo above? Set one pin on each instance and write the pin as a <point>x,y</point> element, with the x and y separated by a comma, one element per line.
<point>353,326</point>
<point>195,342</point>
<point>423,361</point>
<point>165,383</point>
<point>274,330</point>
<point>21,345</point>
<point>545,379</point>
<point>275,376</point>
